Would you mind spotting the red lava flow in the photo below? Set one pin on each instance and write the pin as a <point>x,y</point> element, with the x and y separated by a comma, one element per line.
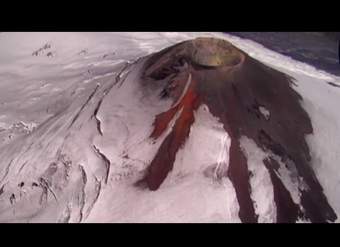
<point>234,86</point>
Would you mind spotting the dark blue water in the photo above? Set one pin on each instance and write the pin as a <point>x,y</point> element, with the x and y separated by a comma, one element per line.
<point>315,48</point>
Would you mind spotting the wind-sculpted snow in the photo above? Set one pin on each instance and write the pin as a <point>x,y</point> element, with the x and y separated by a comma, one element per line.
<point>112,128</point>
<point>49,162</point>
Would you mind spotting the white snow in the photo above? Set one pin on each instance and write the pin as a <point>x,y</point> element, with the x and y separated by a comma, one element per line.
<point>321,102</point>
<point>261,186</point>
<point>187,84</point>
<point>46,93</point>
<point>265,112</point>
<point>191,192</point>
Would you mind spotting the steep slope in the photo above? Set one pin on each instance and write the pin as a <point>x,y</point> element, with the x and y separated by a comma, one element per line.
<point>198,132</point>
<point>238,90</point>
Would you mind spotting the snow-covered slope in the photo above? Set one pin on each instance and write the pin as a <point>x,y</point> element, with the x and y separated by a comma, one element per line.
<point>75,126</point>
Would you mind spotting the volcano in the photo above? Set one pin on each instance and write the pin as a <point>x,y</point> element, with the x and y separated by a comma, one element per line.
<point>251,100</point>
<point>196,131</point>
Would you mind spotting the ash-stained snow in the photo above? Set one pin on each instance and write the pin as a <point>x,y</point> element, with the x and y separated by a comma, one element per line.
<point>75,127</point>
<point>321,102</point>
<point>261,186</point>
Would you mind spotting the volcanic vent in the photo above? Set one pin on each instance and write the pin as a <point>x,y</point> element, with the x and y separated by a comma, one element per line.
<point>252,101</point>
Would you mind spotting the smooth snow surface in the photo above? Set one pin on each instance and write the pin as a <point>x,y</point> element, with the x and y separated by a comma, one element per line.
<point>75,127</point>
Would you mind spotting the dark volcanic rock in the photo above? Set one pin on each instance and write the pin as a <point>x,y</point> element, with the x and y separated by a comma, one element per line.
<point>236,87</point>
